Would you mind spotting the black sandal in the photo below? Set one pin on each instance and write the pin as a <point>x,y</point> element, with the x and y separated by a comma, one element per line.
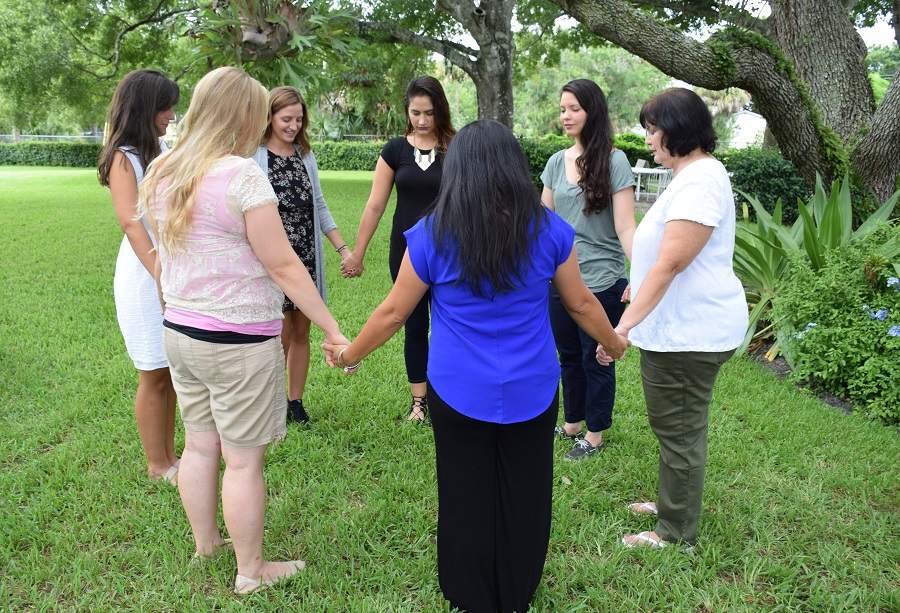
<point>418,409</point>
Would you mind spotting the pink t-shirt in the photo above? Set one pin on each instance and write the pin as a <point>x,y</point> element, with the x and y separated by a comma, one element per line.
<point>214,281</point>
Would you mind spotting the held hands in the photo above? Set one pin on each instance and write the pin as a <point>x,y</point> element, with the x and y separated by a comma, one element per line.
<point>606,355</point>
<point>334,355</point>
<point>351,265</point>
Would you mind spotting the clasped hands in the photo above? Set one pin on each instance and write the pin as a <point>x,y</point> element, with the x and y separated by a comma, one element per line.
<point>606,355</point>
<point>351,265</point>
<point>334,354</point>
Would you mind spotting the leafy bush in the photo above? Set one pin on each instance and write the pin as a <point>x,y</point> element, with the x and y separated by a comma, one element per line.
<point>27,153</point>
<point>762,249</point>
<point>766,175</point>
<point>841,323</point>
<point>330,155</point>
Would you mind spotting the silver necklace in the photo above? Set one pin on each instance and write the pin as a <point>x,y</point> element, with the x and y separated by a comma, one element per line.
<point>423,160</point>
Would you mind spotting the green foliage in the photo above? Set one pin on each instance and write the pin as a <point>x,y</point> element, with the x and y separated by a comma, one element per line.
<point>763,250</point>
<point>768,176</point>
<point>330,155</point>
<point>76,155</point>
<point>884,60</point>
<point>838,318</point>
<point>347,155</point>
<point>879,86</point>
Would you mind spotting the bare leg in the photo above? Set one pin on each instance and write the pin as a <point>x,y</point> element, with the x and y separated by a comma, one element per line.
<point>244,507</point>
<point>198,484</point>
<point>154,411</point>
<point>171,399</point>
<point>296,352</point>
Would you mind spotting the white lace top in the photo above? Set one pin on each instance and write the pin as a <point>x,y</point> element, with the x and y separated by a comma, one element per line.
<point>215,274</point>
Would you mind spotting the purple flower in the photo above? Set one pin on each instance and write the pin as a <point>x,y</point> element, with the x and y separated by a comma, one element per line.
<point>894,282</point>
<point>881,314</point>
<point>894,331</point>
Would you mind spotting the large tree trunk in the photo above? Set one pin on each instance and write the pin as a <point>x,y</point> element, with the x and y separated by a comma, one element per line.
<point>830,56</point>
<point>816,98</point>
<point>490,24</point>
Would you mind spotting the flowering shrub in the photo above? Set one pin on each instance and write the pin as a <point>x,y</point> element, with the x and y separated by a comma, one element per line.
<point>841,324</point>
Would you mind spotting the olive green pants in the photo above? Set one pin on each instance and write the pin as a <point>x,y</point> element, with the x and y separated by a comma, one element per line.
<point>678,388</point>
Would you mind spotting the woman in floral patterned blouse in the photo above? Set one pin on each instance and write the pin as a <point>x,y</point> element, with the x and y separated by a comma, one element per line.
<point>287,159</point>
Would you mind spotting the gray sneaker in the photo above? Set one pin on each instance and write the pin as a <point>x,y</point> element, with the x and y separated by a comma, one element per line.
<point>582,449</point>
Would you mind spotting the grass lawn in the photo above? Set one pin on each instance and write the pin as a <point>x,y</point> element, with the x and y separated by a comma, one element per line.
<point>800,508</point>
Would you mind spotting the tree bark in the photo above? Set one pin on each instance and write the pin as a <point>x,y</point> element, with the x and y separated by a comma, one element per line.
<point>830,56</point>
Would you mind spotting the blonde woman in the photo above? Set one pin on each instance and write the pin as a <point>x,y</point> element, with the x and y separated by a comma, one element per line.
<point>224,260</point>
<point>287,159</point>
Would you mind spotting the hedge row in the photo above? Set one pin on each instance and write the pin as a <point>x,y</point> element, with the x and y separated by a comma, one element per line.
<point>758,172</point>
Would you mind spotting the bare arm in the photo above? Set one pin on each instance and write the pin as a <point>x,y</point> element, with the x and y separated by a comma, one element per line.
<point>682,241</point>
<point>387,318</point>
<point>547,198</point>
<point>584,307</point>
<point>623,218</point>
<point>382,183</point>
<point>270,244</point>
<point>124,192</point>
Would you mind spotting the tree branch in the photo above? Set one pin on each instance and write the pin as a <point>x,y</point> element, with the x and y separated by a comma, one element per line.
<point>878,153</point>
<point>460,55</point>
<point>114,58</point>
<point>895,20</point>
<point>151,18</point>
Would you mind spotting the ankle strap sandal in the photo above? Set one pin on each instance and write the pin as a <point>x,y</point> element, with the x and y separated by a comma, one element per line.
<point>418,409</point>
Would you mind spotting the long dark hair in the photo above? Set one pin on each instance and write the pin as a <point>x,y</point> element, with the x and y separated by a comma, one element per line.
<point>139,97</point>
<point>488,211</point>
<point>597,140</point>
<point>431,87</point>
<point>280,97</point>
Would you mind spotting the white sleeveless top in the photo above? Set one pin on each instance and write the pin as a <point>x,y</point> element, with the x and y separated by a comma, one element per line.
<point>137,301</point>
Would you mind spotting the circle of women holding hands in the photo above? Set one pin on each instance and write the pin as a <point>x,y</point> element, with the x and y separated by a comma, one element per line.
<point>232,227</point>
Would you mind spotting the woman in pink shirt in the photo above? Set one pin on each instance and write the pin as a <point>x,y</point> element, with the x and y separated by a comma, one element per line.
<point>224,265</point>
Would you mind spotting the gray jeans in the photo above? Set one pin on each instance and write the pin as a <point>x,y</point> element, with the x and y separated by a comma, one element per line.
<point>678,387</point>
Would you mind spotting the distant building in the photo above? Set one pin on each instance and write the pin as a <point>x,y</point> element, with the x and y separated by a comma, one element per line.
<point>747,129</point>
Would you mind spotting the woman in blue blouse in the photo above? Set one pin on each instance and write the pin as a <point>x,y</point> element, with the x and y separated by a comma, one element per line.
<point>488,251</point>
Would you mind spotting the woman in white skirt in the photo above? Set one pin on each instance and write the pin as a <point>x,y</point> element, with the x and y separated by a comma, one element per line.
<point>138,115</point>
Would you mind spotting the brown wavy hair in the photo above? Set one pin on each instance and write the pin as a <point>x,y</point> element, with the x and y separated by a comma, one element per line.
<point>431,87</point>
<point>597,140</point>
<point>280,97</point>
<point>130,119</point>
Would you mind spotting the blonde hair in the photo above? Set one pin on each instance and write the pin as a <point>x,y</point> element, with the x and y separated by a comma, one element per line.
<point>229,111</point>
<point>280,97</point>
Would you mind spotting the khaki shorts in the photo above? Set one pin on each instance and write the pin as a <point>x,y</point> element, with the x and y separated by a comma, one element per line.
<point>236,390</point>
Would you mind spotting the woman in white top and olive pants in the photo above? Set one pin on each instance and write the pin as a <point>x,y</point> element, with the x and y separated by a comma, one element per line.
<point>689,313</point>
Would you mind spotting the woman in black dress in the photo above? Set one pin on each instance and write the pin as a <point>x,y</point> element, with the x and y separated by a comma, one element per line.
<point>412,163</point>
<point>290,164</point>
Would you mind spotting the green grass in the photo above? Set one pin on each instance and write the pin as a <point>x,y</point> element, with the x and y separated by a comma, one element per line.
<point>801,502</point>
